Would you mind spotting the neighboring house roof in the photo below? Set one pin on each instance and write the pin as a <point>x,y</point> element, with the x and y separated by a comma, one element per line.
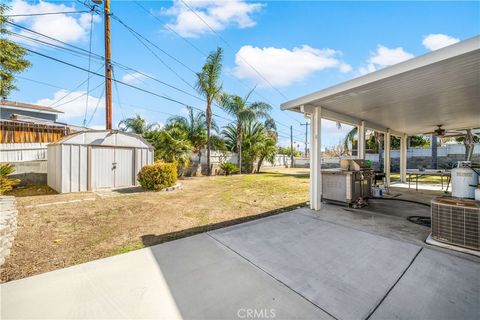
<point>22,118</point>
<point>28,107</point>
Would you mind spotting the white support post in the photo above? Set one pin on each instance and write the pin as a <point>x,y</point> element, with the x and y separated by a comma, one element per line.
<point>386,160</point>
<point>315,159</point>
<point>403,158</point>
<point>361,140</point>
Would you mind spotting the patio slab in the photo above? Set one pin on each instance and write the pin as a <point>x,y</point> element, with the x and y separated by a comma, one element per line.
<point>195,277</point>
<point>436,286</point>
<point>343,271</point>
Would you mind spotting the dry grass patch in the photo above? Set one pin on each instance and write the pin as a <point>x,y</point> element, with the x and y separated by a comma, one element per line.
<point>60,235</point>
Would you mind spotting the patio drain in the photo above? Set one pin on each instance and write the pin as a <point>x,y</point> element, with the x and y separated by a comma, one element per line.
<point>423,221</point>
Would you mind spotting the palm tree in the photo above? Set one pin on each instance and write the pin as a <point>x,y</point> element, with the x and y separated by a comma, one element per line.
<point>195,127</point>
<point>208,86</point>
<point>136,125</point>
<point>350,137</point>
<point>171,145</point>
<point>257,143</point>
<point>244,111</point>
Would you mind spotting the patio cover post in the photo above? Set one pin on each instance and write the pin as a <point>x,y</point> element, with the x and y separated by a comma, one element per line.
<point>361,140</point>
<point>403,158</point>
<point>386,158</point>
<point>315,159</point>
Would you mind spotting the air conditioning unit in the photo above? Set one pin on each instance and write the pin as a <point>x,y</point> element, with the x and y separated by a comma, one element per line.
<point>456,222</point>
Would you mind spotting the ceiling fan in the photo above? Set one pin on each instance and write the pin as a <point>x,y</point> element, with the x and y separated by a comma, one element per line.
<point>442,133</point>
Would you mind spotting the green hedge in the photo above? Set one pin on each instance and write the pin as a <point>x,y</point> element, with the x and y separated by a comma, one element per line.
<point>157,176</point>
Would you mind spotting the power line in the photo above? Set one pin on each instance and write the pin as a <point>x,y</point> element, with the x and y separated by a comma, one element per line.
<point>78,97</point>
<point>204,54</point>
<point>228,44</point>
<point>40,82</point>
<point>43,14</point>
<point>70,91</point>
<point>121,82</point>
<point>101,58</point>
<point>89,64</point>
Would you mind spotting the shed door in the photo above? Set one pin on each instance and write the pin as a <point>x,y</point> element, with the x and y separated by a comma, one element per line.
<point>112,167</point>
<point>103,168</point>
<point>124,163</point>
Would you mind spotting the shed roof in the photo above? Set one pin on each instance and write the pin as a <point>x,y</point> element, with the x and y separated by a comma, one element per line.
<point>28,106</point>
<point>441,87</point>
<point>111,138</point>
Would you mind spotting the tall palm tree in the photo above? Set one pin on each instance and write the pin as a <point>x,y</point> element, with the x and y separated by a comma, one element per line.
<point>136,125</point>
<point>243,112</point>
<point>208,85</point>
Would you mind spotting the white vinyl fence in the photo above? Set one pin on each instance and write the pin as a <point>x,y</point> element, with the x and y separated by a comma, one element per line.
<point>20,152</point>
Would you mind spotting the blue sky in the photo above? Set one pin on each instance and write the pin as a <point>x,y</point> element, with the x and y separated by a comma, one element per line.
<point>298,46</point>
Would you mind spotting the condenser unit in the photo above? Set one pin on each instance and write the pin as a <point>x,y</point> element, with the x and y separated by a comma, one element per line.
<point>456,222</point>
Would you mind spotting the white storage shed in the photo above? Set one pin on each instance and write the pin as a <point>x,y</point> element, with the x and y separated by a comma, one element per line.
<point>93,160</point>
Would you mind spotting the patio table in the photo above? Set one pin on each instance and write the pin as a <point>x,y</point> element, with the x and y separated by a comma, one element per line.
<point>437,173</point>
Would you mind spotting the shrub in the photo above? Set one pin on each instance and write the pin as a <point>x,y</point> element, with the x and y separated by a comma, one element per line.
<point>6,184</point>
<point>228,167</point>
<point>158,176</point>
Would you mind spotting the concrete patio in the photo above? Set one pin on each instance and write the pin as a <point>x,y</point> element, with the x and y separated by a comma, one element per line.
<point>336,263</point>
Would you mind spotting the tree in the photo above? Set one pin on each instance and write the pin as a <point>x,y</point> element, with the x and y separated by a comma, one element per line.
<point>288,151</point>
<point>12,57</point>
<point>208,86</point>
<point>469,141</point>
<point>136,125</point>
<point>255,142</point>
<point>171,145</point>
<point>195,128</point>
<point>244,111</point>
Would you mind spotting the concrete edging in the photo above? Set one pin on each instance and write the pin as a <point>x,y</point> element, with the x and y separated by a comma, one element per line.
<point>8,225</point>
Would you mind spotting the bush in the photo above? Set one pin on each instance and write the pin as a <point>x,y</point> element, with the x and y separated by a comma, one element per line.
<point>158,176</point>
<point>6,184</point>
<point>228,167</point>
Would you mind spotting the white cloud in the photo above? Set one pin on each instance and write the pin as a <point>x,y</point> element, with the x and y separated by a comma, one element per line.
<point>385,57</point>
<point>134,77</point>
<point>281,66</point>
<point>74,109</point>
<point>217,14</point>
<point>64,27</point>
<point>438,40</point>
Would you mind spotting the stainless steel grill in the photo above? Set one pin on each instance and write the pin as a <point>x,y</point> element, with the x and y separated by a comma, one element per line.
<point>351,184</point>
<point>456,222</point>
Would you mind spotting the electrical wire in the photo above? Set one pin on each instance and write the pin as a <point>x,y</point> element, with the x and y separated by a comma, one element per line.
<point>228,44</point>
<point>204,54</point>
<point>101,58</point>
<point>89,64</point>
<point>73,90</point>
<point>77,97</point>
<point>43,14</point>
<point>96,107</point>
<point>121,82</point>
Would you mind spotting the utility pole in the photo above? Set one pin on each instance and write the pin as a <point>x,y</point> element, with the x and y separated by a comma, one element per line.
<point>306,136</point>
<point>291,146</point>
<point>108,67</point>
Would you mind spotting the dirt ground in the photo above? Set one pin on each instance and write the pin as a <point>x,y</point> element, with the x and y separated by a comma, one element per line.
<point>60,230</point>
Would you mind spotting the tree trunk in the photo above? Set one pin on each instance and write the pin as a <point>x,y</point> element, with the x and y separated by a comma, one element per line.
<point>239,146</point>
<point>380,151</point>
<point>434,146</point>
<point>468,142</point>
<point>209,125</point>
<point>259,164</point>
